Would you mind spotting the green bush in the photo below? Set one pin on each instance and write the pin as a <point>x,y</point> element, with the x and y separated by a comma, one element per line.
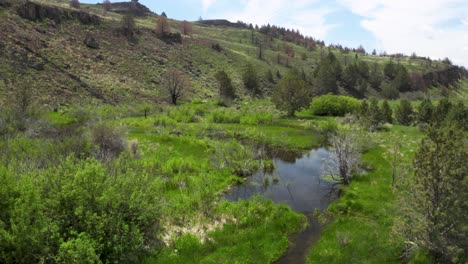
<point>334,105</point>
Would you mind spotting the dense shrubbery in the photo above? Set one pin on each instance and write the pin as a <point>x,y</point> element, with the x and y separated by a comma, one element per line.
<point>68,210</point>
<point>334,105</point>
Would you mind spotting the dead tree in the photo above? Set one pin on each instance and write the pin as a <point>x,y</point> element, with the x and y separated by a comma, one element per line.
<point>345,155</point>
<point>176,84</point>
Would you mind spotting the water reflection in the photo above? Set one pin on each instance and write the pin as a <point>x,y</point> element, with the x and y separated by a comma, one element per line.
<point>296,181</point>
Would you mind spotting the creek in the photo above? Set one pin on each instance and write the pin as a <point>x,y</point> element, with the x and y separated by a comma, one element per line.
<point>296,181</point>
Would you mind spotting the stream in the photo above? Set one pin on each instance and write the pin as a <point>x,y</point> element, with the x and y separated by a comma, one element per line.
<point>297,182</point>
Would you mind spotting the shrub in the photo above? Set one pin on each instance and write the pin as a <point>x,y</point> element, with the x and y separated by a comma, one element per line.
<point>109,142</point>
<point>334,105</point>
<point>78,250</point>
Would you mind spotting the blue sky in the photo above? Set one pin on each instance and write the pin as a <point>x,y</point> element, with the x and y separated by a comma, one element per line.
<point>433,28</point>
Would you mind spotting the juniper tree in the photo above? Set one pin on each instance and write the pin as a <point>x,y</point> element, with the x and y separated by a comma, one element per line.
<point>226,89</point>
<point>250,79</point>
<point>433,202</point>
<point>386,112</point>
<point>291,93</point>
<point>404,113</point>
<point>425,111</point>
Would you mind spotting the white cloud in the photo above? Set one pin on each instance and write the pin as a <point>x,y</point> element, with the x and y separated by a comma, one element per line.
<point>206,4</point>
<point>306,15</point>
<point>407,26</point>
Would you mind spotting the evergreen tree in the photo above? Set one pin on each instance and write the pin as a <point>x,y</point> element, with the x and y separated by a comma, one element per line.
<point>433,204</point>
<point>390,70</point>
<point>250,79</point>
<point>363,69</point>
<point>458,116</point>
<point>350,76</point>
<point>442,111</point>
<point>364,109</point>
<point>291,94</point>
<point>402,80</point>
<point>375,117</point>
<point>226,89</point>
<point>404,113</point>
<point>328,73</point>
<point>425,111</point>
<point>269,76</point>
<point>375,77</point>
<point>387,113</point>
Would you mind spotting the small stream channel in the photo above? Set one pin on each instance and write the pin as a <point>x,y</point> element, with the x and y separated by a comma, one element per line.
<point>297,182</point>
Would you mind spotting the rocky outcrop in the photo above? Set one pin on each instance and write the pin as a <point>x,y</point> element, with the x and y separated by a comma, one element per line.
<point>133,8</point>
<point>35,12</point>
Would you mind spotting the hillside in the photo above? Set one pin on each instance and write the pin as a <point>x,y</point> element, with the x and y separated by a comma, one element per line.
<point>286,150</point>
<point>53,55</point>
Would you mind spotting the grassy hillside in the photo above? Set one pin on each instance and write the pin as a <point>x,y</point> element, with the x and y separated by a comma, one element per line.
<point>63,69</point>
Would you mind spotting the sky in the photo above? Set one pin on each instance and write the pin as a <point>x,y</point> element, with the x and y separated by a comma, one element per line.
<point>430,28</point>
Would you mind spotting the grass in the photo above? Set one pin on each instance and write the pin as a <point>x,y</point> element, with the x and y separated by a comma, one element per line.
<point>363,216</point>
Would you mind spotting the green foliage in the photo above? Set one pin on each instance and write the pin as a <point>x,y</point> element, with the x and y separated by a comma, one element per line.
<point>78,250</point>
<point>239,159</point>
<point>404,113</point>
<point>46,209</point>
<point>226,89</point>
<point>375,116</point>
<point>249,113</point>
<point>433,203</point>
<point>364,70</point>
<point>386,112</point>
<point>260,221</point>
<point>390,70</point>
<point>402,81</point>
<point>425,111</point>
<point>390,92</point>
<point>361,219</point>
<point>375,76</point>
<point>327,74</point>
<point>351,76</point>
<point>250,78</point>
<point>291,93</point>
<point>334,105</point>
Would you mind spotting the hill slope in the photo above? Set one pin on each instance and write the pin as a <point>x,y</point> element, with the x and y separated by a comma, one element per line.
<point>52,55</point>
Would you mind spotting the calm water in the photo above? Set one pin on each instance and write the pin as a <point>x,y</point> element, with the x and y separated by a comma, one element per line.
<point>296,182</point>
<point>299,183</point>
